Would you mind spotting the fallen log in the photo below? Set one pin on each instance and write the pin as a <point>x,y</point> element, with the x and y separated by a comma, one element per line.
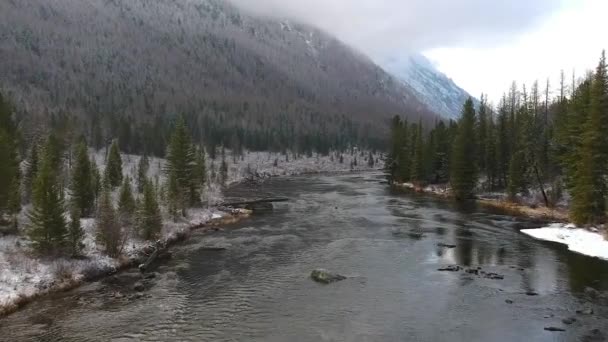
<point>252,202</point>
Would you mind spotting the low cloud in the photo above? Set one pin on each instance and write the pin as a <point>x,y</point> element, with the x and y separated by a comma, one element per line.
<point>383,28</point>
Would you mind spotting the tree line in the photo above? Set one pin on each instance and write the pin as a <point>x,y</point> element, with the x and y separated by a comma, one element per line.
<point>529,141</point>
<point>59,183</point>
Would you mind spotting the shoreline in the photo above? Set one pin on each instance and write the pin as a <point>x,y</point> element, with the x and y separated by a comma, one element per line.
<point>591,242</point>
<point>125,262</point>
<point>514,209</point>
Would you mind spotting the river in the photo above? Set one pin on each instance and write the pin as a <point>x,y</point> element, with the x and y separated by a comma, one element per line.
<point>386,243</point>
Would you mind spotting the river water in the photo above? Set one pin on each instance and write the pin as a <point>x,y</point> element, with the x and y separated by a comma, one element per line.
<point>386,243</point>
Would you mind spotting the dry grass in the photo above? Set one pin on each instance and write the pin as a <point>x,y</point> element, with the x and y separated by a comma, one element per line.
<point>518,209</point>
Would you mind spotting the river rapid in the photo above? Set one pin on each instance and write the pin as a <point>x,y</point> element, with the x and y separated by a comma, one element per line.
<point>385,242</point>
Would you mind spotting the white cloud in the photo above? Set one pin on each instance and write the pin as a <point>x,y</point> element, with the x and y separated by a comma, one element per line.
<point>483,45</point>
<point>571,39</point>
<point>382,28</point>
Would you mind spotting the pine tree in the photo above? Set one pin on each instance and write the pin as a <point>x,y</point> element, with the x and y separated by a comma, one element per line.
<point>75,234</point>
<point>404,154</point>
<point>96,180</point>
<point>223,171</point>
<point>47,229</point>
<point>109,232</point>
<point>482,133</point>
<point>370,160</point>
<point>149,216</point>
<point>440,151</point>
<point>181,164</point>
<point>126,202</point>
<point>32,165</point>
<point>517,172</point>
<point>463,164</point>
<point>417,173</point>
<point>589,191</point>
<point>175,198</point>
<point>82,187</point>
<point>142,173</point>
<point>113,171</point>
<point>200,170</point>
<point>10,193</point>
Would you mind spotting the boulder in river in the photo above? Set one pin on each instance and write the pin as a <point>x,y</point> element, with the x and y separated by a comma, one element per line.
<point>325,277</point>
<point>509,301</point>
<point>531,293</point>
<point>445,245</point>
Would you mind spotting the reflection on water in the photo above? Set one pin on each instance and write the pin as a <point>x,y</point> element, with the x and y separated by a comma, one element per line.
<point>390,246</point>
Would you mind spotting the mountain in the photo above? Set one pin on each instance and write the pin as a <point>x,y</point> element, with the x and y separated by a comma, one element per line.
<point>432,87</point>
<point>125,66</point>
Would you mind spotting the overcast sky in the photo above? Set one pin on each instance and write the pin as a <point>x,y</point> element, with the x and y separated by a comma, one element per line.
<point>482,44</point>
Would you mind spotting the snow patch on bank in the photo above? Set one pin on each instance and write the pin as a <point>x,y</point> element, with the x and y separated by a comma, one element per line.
<point>578,240</point>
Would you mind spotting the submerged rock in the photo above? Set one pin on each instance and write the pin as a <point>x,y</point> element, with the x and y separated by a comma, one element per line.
<point>554,329</point>
<point>451,268</point>
<point>509,301</point>
<point>494,276</point>
<point>569,320</point>
<point>149,275</point>
<point>587,311</point>
<point>445,245</point>
<point>325,277</point>
<point>593,336</point>
<point>139,286</point>
<point>591,292</point>
<point>531,293</point>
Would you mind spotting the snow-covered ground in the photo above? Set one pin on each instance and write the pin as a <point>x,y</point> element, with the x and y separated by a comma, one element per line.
<point>578,240</point>
<point>24,275</point>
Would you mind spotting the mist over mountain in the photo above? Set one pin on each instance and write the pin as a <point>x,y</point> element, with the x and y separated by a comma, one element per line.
<point>237,77</point>
<point>440,93</point>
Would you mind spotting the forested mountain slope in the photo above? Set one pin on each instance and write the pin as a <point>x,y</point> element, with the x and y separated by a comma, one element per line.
<point>125,67</point>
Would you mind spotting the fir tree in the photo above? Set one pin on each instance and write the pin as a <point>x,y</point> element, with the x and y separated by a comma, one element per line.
<point>181,165</point>
<point>10,192</point>
<point>96,180</point>
<point>370,160</point>
<point>223,172</point>
<point>142,173</point>
<point>48,229</point>
<point>32,165</point>
<point>149,217</point>
<point>75,234</point>
<point>82,187</point>
<point>463,169</point>
<point>589,191</point>
<point>126,202</point>
<point>113,171</point>
<point>109,232</point>
<point>517,173</point>
<point>417,173</point>
<point>200,170</point>
<point>175,198</point>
